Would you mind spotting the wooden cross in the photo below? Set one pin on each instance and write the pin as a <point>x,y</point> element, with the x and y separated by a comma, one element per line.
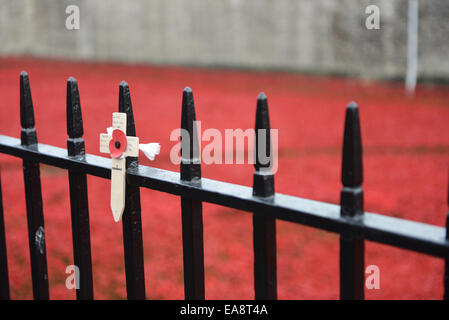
<point>119,146</point>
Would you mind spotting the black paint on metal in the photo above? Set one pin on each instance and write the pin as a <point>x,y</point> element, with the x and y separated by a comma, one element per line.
<point>33,194</point>
<point>4,279</point>
<point>352,245</point>
<point>446,260</point>
<point>190,162</point>
<point>264,228</point>
<point>131,220</point>
<point>28,133</point>
<point>349,220</point>
<point>191,210</point>
<point>78,195</point>
<point>401,233</point>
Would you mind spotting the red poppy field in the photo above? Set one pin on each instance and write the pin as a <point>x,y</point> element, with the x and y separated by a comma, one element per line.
<point>406,152</point>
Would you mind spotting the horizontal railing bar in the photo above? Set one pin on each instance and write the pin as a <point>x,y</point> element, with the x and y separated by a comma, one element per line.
<point>57,157</point>
<point>416,236</point>
<point>401,233</point>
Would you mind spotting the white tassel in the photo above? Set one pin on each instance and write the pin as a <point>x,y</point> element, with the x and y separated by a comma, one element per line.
<point>150,149</point>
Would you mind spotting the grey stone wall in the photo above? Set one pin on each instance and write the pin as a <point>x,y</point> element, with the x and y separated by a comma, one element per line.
<point>319,36</point>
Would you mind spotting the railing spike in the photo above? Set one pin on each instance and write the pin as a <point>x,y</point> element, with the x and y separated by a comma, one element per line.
<point>125,106</point>
<point>26,102</point>
<point>75,143</point>
<point>264,228</point>
<point>78,194</point>
<point>33,194</point>
<point>74,118</point>
<point>352,246</point>
<point>190,163</point>
<point>28,133</point>
<point>352,169</point>
<point>262,131</point>
<point>191,210</point>
<point>187,119</point>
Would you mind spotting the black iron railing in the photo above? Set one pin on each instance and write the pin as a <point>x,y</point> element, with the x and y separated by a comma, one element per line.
<point>349,219</point>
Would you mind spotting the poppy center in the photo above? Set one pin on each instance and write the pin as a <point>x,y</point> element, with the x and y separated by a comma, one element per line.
<point>117,144</point>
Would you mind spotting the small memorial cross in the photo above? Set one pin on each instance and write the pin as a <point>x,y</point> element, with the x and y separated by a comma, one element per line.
<point>119,146</point>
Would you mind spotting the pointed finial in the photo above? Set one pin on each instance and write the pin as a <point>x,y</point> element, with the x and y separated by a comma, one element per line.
<point>190,163</point>
<point>188,118</point>
<point>28,133</point>
<point>263,179</point>
<point>75,143</point>
<point>352,168</point>
<point>351,198</point>
<point>263,157</point>
<point>125,106</point>
<point>74,117</point>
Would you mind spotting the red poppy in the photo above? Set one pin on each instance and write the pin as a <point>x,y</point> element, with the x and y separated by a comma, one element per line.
<point>117,145</point>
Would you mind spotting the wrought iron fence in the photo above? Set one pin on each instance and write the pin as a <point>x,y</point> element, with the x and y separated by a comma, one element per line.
<point>347,219</point>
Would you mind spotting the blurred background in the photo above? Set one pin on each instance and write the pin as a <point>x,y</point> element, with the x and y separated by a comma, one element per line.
<point>317,36</point>
<point>311,58</point>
